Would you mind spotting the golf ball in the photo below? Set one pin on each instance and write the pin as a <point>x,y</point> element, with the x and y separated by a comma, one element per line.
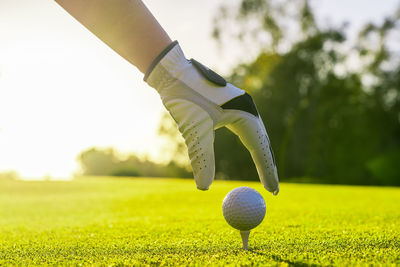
<point>243,208</point>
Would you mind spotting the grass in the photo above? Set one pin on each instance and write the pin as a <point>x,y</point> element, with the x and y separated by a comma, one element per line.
<point>168,222</point>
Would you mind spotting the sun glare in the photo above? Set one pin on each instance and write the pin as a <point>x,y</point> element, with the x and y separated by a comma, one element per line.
<point>62,93</point>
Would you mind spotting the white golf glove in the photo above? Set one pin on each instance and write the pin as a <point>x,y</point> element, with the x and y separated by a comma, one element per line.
<point>201,101</point>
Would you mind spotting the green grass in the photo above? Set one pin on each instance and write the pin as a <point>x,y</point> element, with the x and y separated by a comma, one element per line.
<point>165,221</point>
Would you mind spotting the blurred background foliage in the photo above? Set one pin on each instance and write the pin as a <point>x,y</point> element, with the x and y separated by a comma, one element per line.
<point>9,175</point>
<point>326,119</point>
<point>330,102</point>
<point>108,162</point>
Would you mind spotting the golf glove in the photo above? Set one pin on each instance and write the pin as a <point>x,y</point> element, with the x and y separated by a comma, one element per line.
<point>201,101</point>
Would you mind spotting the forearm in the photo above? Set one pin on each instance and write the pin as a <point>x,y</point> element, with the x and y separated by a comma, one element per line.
<point>127,26</point>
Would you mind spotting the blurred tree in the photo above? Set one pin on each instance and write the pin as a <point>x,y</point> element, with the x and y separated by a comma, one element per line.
<point>97,161</point>
<point>9,175</point>
<point>107,162</point>
<point>325,120</point>
<point>382,80</point>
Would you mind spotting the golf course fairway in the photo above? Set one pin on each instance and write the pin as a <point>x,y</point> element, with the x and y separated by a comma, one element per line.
<point>149,221</point>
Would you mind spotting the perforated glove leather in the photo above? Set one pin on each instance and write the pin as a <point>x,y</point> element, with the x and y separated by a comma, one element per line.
<point>201,101</point>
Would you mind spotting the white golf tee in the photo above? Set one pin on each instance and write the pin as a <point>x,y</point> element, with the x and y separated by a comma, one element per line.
<point>245,238</point>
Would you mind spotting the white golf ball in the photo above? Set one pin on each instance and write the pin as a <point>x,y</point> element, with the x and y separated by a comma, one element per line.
<point>243,208</point>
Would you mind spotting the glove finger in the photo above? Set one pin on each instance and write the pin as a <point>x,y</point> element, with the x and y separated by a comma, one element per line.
<point>196,127</point>
<point>251,131</point>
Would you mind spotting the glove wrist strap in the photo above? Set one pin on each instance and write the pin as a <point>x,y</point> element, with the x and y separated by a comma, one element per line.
<point>158,59</point>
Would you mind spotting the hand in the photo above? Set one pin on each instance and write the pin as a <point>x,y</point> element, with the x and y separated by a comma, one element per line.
<point>201,101</point>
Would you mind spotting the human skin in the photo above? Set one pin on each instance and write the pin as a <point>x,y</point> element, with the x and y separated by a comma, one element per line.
<point>127,26</point>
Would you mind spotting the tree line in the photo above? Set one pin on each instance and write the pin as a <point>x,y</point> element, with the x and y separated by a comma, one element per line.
<point>328,121</point>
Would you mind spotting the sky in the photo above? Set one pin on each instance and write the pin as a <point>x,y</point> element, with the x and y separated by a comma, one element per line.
<point>62,90</point>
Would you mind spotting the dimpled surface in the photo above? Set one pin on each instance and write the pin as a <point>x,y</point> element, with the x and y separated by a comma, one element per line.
<point>243,208</point>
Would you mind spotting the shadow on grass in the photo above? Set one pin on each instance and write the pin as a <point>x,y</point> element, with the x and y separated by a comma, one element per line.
<point>279,259</point>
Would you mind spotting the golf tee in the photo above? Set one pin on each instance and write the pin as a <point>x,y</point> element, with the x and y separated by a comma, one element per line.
<point>245,238</point>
